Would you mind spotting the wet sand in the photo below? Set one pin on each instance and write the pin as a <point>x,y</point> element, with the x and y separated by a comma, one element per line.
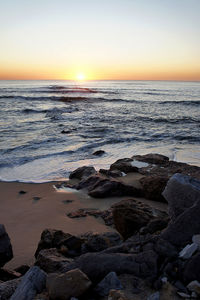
<point>25,217</point>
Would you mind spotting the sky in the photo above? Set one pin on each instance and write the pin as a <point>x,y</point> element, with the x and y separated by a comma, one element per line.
<point>100,39</point>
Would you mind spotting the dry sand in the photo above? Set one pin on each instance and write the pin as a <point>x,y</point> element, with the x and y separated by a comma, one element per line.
<point>26,218</point>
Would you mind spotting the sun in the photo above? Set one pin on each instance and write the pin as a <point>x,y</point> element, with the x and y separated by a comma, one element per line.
<point>80,76</point>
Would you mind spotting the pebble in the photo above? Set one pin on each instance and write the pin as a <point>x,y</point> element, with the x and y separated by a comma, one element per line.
<point>188,251</point>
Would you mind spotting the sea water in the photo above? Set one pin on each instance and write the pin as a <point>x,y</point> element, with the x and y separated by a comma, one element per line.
<point>49,128</point>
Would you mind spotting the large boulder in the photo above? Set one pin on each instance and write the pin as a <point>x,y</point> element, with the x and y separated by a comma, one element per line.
<point>130,216</point>
<point>153,187</point>
<point>50,260</point>
<point>6,253</point>
<point>82,172</point>
<point>64,286</point>
<point>97,265</point>
<point>181,192</point>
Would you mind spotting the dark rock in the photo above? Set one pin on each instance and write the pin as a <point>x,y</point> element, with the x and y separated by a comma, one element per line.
<point>110,282</point>
<point>22,269</point>
<point>108,173</point>
<point>165,249</point>
<point>111,188</point>
<point>97,265</point>
<point>152,158</point>
<point>124,165</point>
<point>155,225</point>
<point>22,192</point>
<point>99,152</point>
<point>82,172</point>
<point>153,186</point>
<point>96,242</point>
<point>50,260</point>
<point>64,286</point>
<point>8,288</point>
<point>181,231</point>
<point>130,216</point>
<point>51,238</point>
<point>32,283</point>
<point>67,201</point>
<point>6,253</point>
<point>181,192</point>
<point>65,131</point>
<point>192,269</point>
<point>89,183</point>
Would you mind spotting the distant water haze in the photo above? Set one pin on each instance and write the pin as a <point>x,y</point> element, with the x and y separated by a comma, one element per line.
<point>49,128</point>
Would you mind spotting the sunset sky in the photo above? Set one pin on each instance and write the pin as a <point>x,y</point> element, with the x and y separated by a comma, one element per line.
<point>100,39</point>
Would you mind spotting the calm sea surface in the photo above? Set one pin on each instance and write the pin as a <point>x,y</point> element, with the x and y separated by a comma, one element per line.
<point>48,128</point>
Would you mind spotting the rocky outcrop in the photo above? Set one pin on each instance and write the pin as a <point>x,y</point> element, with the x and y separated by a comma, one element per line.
<point>130,216</point>
<point>6,253</point>
<point>124,165</point>
<point>82,172</point>
<point>70,284</point>
<point>152,158</point>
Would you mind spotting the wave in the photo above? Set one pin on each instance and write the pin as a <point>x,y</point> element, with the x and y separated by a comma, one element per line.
<point>182,102</point>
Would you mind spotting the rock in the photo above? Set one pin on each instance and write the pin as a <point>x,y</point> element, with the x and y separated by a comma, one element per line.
<point>116,295</point>
<point>64,286</point>
<point>153,186</point>
<point>97,265</point>
<point>96,242</point>
<point>108,173</point>
<point>124,165</point>
<point>184,295</point>
<point>65,131</point>
<point>51,261</point>
<point>8,288</point>
<point>154,296</point>
<point>32,283</point>
<point>194,286</point>
<point>181,193</point>
<point>22,192</point>
<point>187,224</point>
<point>98,152</point>
<point>168,292</point>
<point>6,253</point>
<point>110,282</point>
<point>188,251</point>
<point>82,172</point>
<point>191,270</point>
<point>155,225</point>
<point>196,240</point>
<point>130,215</point>
<point>110,188</point>
<point>152,158</point>
<point>51,238</point>
<point>165,249</point>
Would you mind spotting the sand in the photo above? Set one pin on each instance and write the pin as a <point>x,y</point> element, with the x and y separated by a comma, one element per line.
<point>25,218</point>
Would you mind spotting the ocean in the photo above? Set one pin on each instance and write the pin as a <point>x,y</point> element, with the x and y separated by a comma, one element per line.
<point>49,128</point>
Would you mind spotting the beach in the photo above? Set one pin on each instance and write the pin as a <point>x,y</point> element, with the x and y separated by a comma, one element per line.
<point>26,218</point>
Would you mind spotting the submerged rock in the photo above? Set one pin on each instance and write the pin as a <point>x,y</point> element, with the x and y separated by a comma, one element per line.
<point>6,253</point>
<point>70,284</point>
<point>98,152</point>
